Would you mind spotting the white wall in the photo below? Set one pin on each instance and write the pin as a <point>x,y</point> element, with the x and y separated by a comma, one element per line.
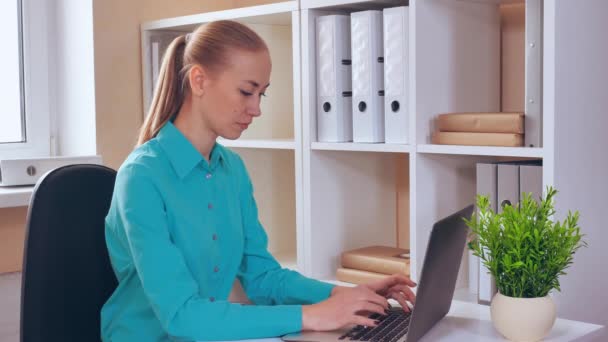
<point>581,158</point>
<point>72,77</point>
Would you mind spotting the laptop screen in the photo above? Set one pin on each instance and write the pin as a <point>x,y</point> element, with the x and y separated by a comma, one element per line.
<point>439,272</point>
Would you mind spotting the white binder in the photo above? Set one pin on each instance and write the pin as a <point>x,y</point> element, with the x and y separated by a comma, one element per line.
<point>507,185</point>
<point>368,73</point>
<point>531,181</point>
<point>396,69</point>
<point>334,90</point>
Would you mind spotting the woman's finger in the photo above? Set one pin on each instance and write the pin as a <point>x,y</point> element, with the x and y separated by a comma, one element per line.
<point>399,297</point>
<point>384,285</point>
<point>371,296</point>
<point>360,320</point>
<point>406,290</point>
<point>381,285</point>
<point>370,307</point>
<point>402,279</point>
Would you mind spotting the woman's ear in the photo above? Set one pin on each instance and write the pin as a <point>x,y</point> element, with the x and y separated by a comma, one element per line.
<point>197,78</point>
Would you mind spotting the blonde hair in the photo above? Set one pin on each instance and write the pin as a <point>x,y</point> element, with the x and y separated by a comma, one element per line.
<point>208,46</point>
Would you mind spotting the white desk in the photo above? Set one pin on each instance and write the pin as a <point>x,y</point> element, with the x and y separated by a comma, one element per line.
<point>471,322</point>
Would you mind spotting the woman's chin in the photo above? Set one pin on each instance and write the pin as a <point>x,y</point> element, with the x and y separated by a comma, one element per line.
<point>232,135</point>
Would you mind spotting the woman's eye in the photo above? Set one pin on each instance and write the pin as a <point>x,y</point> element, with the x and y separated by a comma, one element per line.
<point>246,93</point>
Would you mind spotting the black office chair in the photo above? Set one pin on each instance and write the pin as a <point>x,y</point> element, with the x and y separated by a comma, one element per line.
<point>67,274</point>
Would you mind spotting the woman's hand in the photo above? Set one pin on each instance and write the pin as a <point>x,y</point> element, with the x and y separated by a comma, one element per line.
<point>397,287</point>
<point>343,308</point>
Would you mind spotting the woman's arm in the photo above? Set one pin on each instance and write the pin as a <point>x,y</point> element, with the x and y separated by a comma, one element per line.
<point>167,281</point>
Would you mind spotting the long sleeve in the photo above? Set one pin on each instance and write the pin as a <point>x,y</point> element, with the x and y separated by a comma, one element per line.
<point>168,283</point>
<point>263,279</point>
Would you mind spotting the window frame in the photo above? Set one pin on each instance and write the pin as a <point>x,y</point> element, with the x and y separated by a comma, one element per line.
<point>35,55</point>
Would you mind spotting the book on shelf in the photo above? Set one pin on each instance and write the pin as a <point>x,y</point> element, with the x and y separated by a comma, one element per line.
<point>378,259</point>
<point>481,122</point>
<point>478,139</point>
<point>353,276</point>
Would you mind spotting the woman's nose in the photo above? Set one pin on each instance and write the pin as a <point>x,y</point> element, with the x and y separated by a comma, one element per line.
<point>254,109</point>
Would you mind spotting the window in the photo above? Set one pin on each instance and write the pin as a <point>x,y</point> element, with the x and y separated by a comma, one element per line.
<point>24,85</point>
<point>11,130</point>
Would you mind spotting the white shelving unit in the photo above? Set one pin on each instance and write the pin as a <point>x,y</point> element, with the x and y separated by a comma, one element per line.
<point>363,194</point>
<point>318,199</point>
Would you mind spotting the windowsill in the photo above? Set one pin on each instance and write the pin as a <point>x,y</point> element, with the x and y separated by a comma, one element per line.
<point>15,196</point>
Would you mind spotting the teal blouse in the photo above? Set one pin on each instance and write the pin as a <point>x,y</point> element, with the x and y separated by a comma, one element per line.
<point>179,231</point>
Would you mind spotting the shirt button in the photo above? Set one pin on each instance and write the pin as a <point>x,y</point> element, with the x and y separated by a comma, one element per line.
<point>216,269</point>
<point>208,176</point>
<point>210,206</point>
<point>211,299</point>
<point>214,237</point>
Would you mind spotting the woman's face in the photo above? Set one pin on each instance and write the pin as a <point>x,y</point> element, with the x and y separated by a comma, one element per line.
<point>231,98</point>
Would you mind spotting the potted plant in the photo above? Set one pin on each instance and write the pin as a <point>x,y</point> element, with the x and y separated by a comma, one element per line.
<point>525,251</point>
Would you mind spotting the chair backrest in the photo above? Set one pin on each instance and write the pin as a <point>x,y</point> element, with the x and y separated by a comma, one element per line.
<point>67,275</point>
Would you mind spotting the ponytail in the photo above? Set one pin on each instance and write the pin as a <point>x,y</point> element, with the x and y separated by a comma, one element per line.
<point>168,93</point>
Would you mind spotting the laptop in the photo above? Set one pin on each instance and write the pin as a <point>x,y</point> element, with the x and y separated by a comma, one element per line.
<point>434,295</point>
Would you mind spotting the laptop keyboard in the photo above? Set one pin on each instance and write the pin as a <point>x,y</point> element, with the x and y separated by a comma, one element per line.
<point>390,328</point>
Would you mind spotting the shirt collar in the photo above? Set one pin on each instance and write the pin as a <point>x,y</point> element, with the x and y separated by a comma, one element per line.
<point>182,154</point>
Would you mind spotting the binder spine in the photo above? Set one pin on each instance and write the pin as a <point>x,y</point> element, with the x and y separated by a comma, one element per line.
<point>396,69</point>
<point>367,76</point>
<point>531,181</point>
<point>345,79</point>
<point>334,110</point>
<point>534,75</point>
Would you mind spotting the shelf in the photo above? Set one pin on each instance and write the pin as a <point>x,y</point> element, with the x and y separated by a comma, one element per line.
<point>362,147</point>
<point>15,196</point>
<point>526,152</point>
<point>350,4</point>
<point>271,14</point>
<point>276,144</point>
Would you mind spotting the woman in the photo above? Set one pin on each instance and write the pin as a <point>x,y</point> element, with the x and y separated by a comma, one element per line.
<point>183,222</point>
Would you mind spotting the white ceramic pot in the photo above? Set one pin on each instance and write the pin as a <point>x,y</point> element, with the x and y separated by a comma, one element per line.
<point>523,319</point>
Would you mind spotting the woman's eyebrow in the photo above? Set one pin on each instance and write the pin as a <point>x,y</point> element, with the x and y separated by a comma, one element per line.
<point>256,84</point>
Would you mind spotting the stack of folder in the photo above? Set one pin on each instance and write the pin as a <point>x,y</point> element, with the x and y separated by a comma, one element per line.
<point>503,183</point>
<point>480,129</point>
<point>362,76</point>
<point>371,263</point>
